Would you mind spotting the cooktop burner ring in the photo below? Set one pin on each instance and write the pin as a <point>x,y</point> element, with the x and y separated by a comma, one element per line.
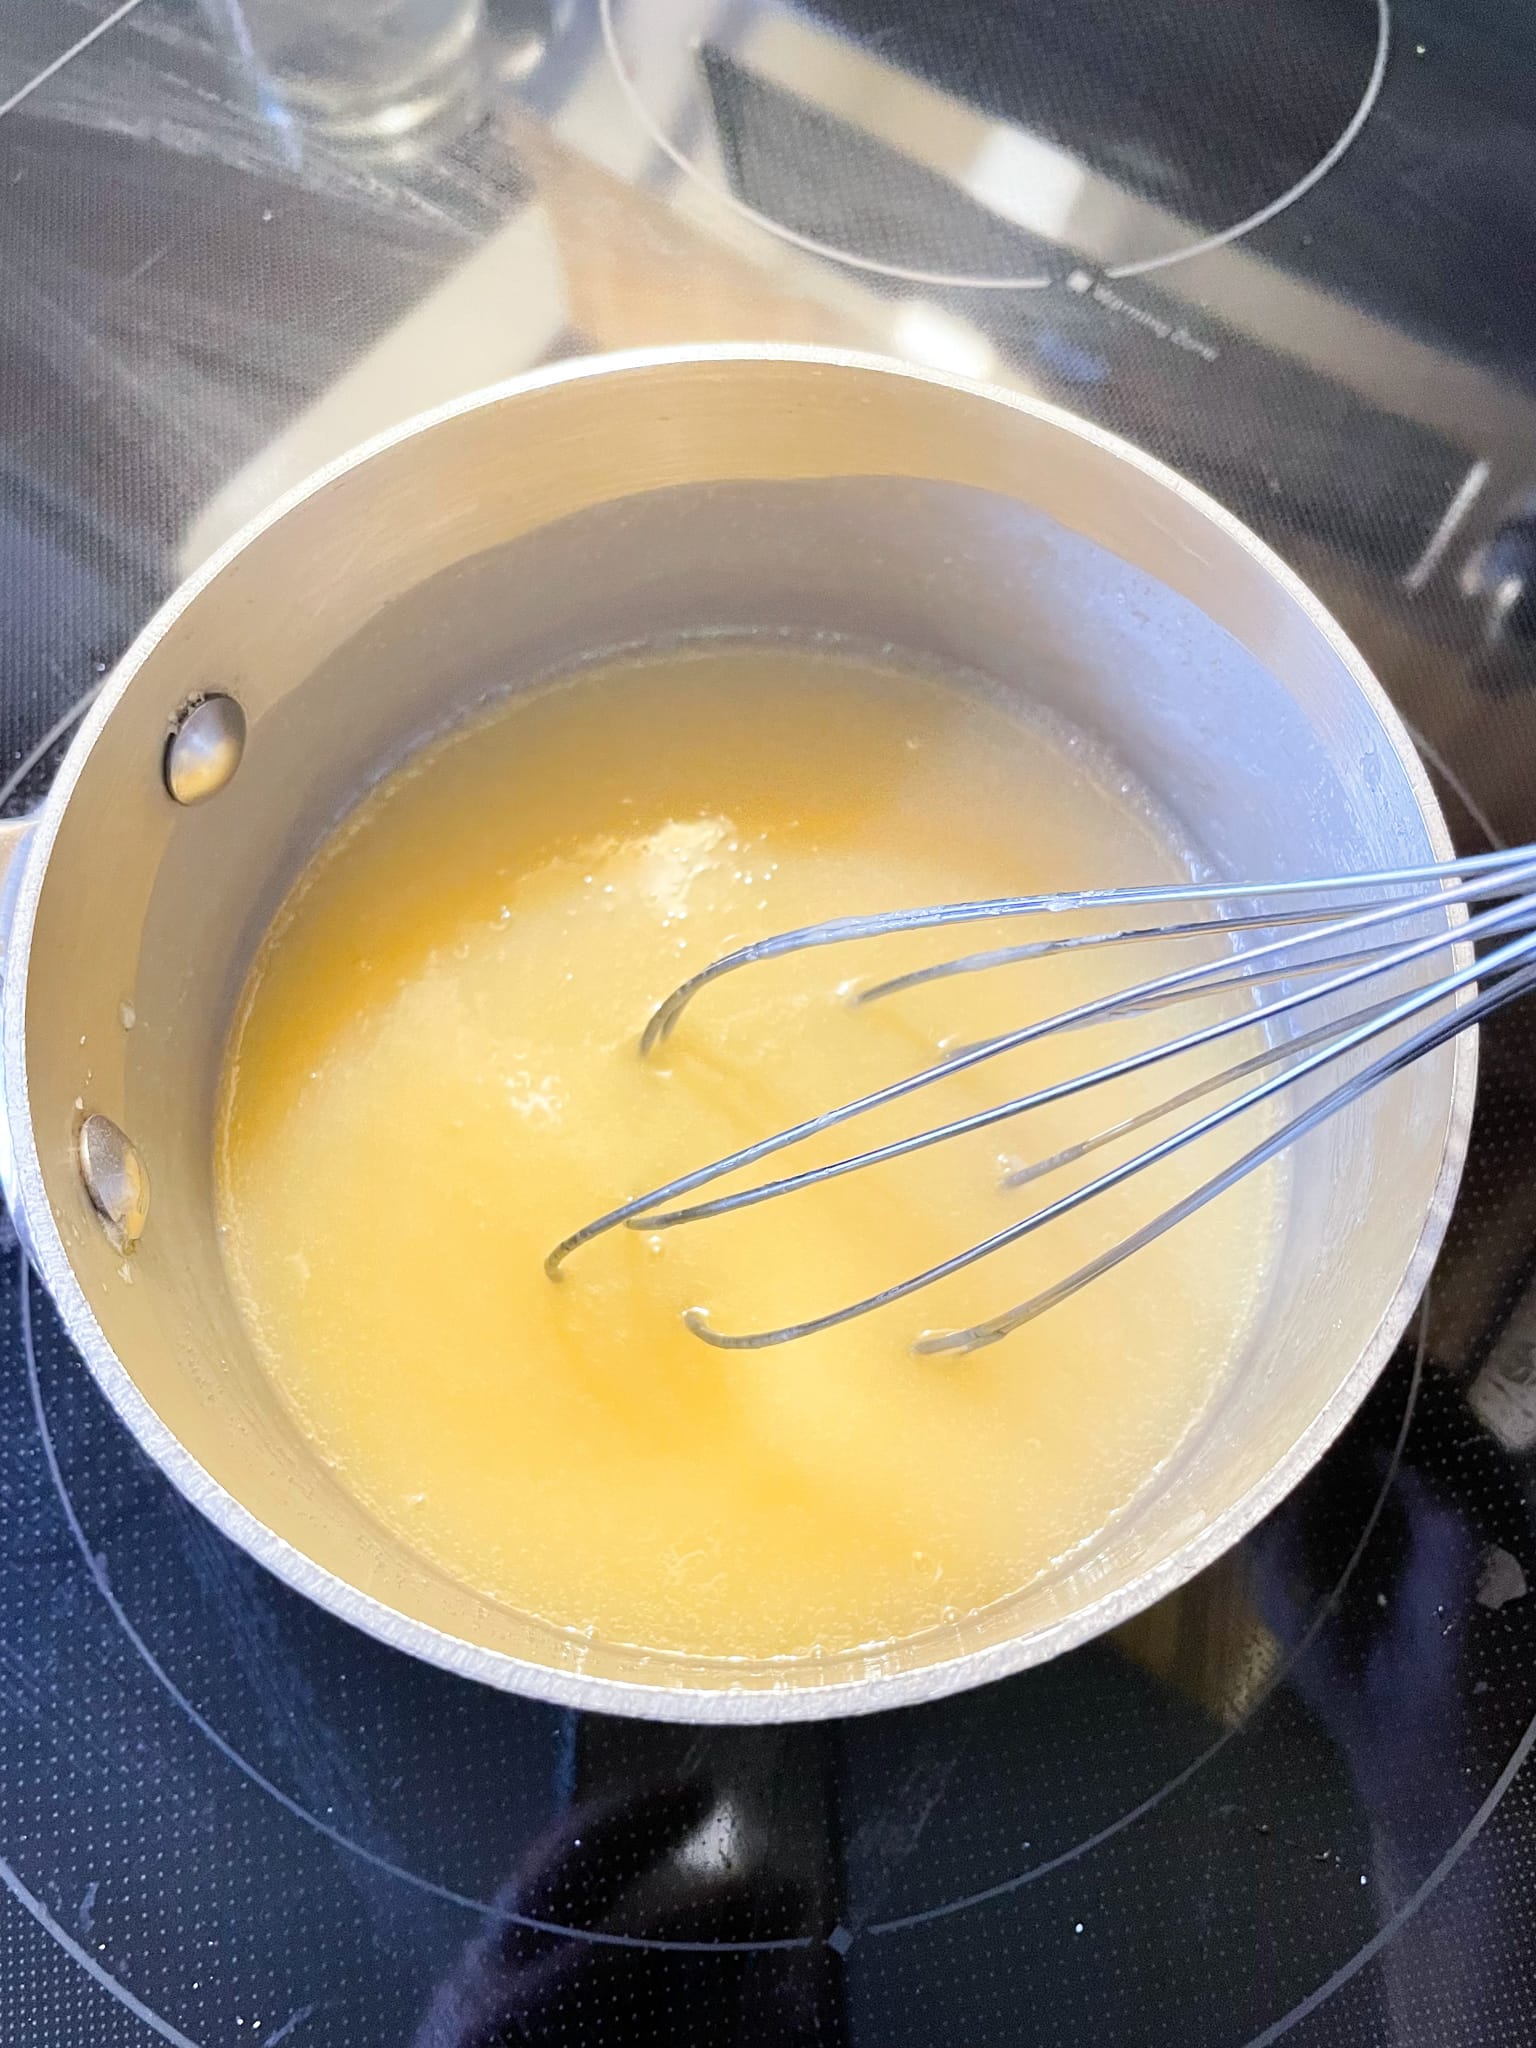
<point>96,1568</point>
<point>657,129</point>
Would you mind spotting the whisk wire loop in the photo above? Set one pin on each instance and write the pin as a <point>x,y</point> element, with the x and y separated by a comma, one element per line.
<point>1474,987</point>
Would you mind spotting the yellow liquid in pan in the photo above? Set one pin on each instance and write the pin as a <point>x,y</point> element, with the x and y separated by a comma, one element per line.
<point>434,1077</point>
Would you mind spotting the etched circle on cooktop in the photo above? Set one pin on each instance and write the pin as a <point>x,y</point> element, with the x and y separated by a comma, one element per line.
<point>912,1854</point>
<point>1003,147</point>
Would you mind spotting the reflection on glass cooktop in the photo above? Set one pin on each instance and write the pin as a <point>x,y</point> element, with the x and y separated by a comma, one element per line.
<point>1276,242</point>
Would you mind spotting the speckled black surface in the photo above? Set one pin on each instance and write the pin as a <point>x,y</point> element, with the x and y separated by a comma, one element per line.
<point>1295,1802</point>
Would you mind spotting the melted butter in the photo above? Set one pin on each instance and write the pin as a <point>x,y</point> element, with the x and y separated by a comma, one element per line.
<point>434,1077</point>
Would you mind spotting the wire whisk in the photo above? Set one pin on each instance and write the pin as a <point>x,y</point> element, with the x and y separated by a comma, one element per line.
<point>1358,951</point>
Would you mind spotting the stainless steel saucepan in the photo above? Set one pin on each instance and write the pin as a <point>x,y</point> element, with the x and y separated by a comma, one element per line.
<point>620,501</point>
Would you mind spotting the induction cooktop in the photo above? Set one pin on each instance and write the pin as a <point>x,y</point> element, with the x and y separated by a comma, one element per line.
<point>1287,245</point>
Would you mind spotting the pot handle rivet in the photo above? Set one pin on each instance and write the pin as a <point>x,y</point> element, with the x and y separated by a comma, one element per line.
<point>115,1179</point>
<point>204,750</point>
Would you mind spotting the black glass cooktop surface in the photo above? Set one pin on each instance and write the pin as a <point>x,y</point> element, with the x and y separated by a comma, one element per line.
<point>1289,245</point>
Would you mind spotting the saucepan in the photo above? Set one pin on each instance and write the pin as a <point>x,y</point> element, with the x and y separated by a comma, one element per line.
<point>601,505</point>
